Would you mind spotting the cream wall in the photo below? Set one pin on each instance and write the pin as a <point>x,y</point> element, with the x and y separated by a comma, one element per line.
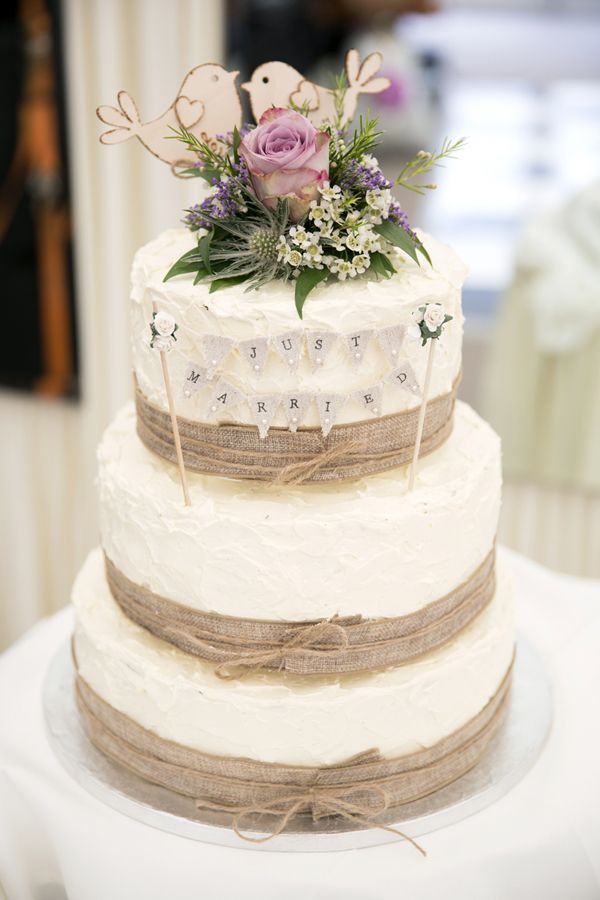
<point>122,197</point>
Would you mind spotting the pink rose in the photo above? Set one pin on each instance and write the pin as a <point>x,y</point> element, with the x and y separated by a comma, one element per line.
<point>287,159</point>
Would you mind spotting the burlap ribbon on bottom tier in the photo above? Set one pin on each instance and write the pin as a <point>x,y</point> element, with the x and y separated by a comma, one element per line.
<point>365,790</point>
<point>339,644</point>
<point>349,451</point>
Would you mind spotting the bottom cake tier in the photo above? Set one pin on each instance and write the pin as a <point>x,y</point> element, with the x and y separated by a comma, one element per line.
<point>276,718</point>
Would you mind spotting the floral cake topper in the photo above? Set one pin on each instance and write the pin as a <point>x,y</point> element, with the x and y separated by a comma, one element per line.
<point>299,196</point>
<point>293,202</point>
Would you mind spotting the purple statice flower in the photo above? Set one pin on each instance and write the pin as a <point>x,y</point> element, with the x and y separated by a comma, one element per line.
<point>193,218</point>
<point>359,177</point>
<point>224,202</point>
<point>397,215</point>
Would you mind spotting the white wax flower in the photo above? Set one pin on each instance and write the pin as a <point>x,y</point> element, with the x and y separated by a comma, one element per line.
<point>164,324</point>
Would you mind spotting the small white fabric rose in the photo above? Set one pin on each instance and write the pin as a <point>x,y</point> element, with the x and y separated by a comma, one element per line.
<point>164,324</point>
<point>413,333</point>
<point>434,316</point>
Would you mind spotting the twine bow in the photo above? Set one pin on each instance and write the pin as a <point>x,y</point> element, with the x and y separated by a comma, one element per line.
<point>325,636</point>
<point>298,473</point>
<point>369,803</point>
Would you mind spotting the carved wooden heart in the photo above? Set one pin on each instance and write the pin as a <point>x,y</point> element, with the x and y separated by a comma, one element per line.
<point>189,112</point>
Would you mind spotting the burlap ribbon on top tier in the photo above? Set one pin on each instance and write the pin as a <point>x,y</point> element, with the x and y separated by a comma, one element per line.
<point>365,790</point>
<point>285,457</point>
<point>326,646</point>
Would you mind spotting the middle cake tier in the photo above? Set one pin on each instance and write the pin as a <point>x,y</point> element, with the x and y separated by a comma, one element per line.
<point>294,554</point>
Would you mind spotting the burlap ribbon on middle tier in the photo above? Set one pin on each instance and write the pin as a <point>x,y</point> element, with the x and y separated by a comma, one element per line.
<point>339,644</point>
<point>364,790</point>
<point>351,450</point>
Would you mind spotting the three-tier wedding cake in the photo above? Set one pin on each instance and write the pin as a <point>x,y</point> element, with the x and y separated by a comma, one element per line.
<point>310,634</point>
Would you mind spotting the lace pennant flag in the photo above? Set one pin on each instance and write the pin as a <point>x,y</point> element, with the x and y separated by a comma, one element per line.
<point>404,377</point>
<point>289,348</point>
<point>358,341</point>
<point>195,377</point>
<point>295,407</point>
<point>254,352</point>
<point>215,350</point>
<point>329,406</point>
<point>223,397</point>
<point>264,409</point>
<point>370,398</point>
<point>390,341</point>
<point>318,344</point>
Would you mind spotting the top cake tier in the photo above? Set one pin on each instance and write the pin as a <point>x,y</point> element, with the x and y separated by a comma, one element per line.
<point>349,317</point>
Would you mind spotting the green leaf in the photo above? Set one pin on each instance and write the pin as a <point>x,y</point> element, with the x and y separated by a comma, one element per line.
<point>236,143</point>
<point>306,281</point>
<point>400,238</point>
<point>191,261</point>
<point>421,249</point>
<point>194,172</point>
<point>208,173</point>
<point>184,267</point>
<point>204,250</point>
<point>381,265</point>
<point>218,284</point>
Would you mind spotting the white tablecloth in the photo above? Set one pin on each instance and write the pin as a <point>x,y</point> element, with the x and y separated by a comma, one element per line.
<point>540,842</point>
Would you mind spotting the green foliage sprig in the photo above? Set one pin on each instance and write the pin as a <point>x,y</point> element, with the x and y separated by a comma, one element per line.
<point>423,162</point>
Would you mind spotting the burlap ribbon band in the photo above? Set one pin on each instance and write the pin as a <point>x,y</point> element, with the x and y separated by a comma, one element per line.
<point>339,644</point>
<point>285,457</point>
<point>364,790</point>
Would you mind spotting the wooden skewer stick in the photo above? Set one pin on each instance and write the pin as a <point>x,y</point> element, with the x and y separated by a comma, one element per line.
<point>415,460</point>
<point>174,425</point>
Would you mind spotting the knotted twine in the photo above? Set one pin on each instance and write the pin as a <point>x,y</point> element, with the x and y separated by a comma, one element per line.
<point>366,790</point>
<point>284,457</point>
<point>340,644</point>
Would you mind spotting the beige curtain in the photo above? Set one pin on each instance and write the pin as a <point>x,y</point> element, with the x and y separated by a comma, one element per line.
<point>122,198</point>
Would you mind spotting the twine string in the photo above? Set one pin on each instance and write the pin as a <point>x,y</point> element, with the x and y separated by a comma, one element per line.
<point>322,803</point>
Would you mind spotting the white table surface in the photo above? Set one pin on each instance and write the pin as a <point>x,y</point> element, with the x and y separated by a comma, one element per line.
<point>540,842</point>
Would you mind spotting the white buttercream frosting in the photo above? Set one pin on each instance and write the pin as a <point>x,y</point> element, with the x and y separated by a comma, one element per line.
<point>342,307</point>
<point>282,719</point>
<point>266,552</point>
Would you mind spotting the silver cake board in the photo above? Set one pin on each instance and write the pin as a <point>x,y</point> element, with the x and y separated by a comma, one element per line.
<point>509,756</point>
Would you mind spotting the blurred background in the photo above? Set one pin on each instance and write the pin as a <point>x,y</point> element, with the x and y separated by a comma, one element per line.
<point>519,78</point>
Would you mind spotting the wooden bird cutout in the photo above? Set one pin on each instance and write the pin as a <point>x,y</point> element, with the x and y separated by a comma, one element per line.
<point>277,84</point>
<point>207,104</point>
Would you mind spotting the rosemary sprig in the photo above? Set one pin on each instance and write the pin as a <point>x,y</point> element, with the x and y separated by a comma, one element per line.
<point>363,141</point>
<point>213,162</point>
<point>339,95</point>
<point>424,162</point>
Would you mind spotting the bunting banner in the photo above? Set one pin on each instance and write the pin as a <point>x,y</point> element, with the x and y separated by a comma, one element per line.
<point>222,398</point>
<point>292,346</point>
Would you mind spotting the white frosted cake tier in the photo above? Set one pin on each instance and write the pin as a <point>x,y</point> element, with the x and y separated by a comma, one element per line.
<point>281,719</point>
<point>295,553</point>
<point>341,308</point>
